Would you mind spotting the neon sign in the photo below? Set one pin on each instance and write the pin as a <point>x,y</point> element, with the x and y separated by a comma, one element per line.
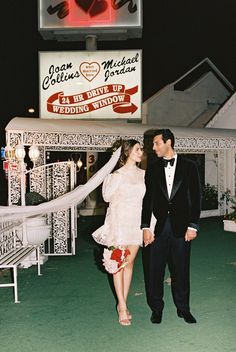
<point>90,13</point>
<point>93,7</point>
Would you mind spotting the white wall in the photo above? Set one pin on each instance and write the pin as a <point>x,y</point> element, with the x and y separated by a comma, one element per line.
<point>180,108</point>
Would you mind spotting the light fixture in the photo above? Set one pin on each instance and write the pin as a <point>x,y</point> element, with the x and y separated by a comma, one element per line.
<point>15,161</point>
<point>34,152</point>
<point>20,152</point>
<point>9,152</point>
<point>79,164</point>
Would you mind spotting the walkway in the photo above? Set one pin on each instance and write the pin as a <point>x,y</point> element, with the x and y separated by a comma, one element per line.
<point>71,307</point>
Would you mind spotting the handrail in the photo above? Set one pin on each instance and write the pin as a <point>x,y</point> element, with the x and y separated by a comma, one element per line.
<point>46,165</point>
<point>10,227</point>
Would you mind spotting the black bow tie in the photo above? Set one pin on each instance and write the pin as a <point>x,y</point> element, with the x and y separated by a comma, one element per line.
<point>171,161</point>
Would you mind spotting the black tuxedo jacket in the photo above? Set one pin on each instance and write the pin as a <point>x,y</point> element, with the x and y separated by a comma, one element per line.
<point>184,204</point>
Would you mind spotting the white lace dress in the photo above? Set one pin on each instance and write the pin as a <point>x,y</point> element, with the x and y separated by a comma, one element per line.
<point>124,190</point>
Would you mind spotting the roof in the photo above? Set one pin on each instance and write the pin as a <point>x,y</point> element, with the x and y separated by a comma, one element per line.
<point>212,68</point>
<point>225,116</point>
<point>24,124</point>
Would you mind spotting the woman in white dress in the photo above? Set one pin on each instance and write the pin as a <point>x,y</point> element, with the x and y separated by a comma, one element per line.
<point>124,190</point>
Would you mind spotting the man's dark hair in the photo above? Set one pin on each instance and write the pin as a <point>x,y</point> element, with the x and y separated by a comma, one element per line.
<point>166,134</point>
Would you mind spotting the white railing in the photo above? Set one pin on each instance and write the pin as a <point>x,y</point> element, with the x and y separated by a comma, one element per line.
<point>52,181</point>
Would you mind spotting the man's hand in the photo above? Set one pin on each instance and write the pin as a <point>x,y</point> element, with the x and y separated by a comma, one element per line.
<point>190,235</point>
<point>148,237</point>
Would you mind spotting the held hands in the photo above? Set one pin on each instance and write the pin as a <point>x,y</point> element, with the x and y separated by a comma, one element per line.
<point>190,235</point>
<point>148,237</point>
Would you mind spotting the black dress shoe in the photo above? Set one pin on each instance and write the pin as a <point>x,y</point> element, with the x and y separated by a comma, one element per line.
<point>187,316</point>
<point>156,317</point>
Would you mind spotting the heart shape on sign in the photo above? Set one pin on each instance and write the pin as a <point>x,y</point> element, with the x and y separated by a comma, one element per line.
<point>84,4</point>
<point>99,6</point>
<point>95,7</point>
<point>89,70</point>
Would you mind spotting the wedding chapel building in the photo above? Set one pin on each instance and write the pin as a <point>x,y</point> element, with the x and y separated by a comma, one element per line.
<point>200,112</point>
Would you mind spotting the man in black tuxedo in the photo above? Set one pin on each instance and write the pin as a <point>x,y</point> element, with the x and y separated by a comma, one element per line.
<point>173,195</point>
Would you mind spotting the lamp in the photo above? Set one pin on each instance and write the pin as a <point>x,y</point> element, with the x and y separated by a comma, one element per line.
<point>20,152</point>
<point>75,157</point>
<point>9,152</point>
<point>34,152</point>
<point>79,164</point>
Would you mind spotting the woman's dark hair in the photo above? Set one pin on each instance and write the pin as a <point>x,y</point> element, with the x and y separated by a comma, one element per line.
<point>126,148</point>
<point>166,134</point>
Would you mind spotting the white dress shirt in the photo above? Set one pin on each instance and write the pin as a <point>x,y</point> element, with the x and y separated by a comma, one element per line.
<point>170,173</point>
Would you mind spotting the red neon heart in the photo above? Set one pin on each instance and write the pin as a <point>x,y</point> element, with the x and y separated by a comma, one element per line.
<point>99,6</point>
<point>84,4</point>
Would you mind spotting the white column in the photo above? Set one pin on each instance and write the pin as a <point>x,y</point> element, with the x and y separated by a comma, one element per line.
<point>91,200</point>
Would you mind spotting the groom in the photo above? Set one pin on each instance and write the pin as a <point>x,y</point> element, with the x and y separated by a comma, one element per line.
<point>173,195</point>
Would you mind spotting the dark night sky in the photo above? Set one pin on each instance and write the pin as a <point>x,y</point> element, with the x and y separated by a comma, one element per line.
<point>176,36</point>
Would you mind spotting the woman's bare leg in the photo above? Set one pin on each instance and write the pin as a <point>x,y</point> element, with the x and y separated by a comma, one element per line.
<point>118,280</point>
<point>128,270</point>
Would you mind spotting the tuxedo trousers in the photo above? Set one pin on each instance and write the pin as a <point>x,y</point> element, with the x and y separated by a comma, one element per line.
<point>174,252</point>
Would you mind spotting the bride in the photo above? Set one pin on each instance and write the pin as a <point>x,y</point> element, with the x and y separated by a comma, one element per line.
<point>124,190</point>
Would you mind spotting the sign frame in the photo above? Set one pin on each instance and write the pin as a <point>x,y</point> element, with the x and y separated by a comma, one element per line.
<point>55,25</point>
<point>91,85</point>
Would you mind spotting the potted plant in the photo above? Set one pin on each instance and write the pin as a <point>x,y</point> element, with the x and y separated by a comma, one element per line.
<point>209,197</point>
<point>230,216</point>
<point>34,198</point>
<point>37,230</point>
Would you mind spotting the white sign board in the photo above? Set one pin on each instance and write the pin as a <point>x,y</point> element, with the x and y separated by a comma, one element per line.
<point>90,84</point>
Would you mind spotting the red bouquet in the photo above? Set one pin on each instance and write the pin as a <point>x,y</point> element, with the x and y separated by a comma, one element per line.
<point>114,259</point>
